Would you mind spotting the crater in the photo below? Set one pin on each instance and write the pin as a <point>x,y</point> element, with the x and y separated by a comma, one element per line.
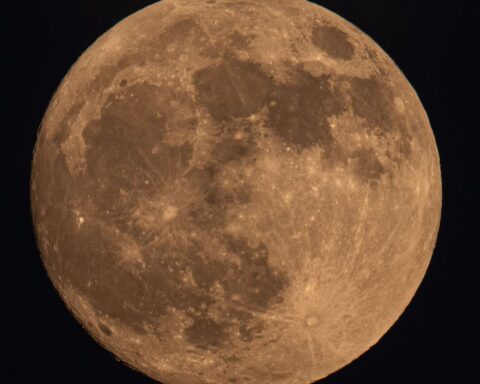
<point>105,329</point>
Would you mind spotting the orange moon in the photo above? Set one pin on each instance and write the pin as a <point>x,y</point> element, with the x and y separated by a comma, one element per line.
<point>236,191</point>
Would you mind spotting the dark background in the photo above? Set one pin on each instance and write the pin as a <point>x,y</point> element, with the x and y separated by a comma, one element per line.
<point>435,340</point>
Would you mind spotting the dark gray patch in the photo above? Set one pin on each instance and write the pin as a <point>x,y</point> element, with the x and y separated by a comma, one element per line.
<point>274,376</point>
<point>256,281</point>
<point>300,110</point>
<point>333,41</point>
<point>230,150</point>
<point>250,332</point>
<point>368,167</point>
<point>206,333</point>
<point>123,83</point>
<point>242,194</point>
<point>239,40</point>
<point>373,100</point>
<point>177,39</point>
<point>232,89</point>
<point>216,195</point>
<point>205,273</point>
<point>134,116</point>
<point>232,359</point>
<point>234,142</point>
<point>205,214</point>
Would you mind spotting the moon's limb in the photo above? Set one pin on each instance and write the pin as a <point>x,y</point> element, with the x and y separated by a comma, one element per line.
<point>247,204</point>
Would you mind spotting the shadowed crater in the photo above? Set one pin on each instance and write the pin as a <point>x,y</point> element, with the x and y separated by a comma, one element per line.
<point>105,329</point>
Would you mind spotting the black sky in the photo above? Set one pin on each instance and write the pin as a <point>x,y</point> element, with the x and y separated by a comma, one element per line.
<point>435,341</point>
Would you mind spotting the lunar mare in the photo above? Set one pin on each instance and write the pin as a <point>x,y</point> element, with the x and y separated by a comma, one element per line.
<point>236,191</point>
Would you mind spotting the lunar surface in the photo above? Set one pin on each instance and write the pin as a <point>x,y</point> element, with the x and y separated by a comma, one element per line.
<point>236,191</point>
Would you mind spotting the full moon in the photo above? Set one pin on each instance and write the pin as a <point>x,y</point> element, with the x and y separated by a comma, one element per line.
<point>236,191</point>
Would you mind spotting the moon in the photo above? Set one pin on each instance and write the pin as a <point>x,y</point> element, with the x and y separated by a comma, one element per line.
<point>236,191</point>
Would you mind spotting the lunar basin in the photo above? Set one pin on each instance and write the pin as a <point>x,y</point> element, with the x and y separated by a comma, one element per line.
<point>236,191</point>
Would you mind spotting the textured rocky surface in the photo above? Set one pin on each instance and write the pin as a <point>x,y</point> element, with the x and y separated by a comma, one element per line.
<point>236,191</point>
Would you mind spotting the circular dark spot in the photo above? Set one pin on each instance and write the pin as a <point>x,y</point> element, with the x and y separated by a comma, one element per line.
<point>123,83</point>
